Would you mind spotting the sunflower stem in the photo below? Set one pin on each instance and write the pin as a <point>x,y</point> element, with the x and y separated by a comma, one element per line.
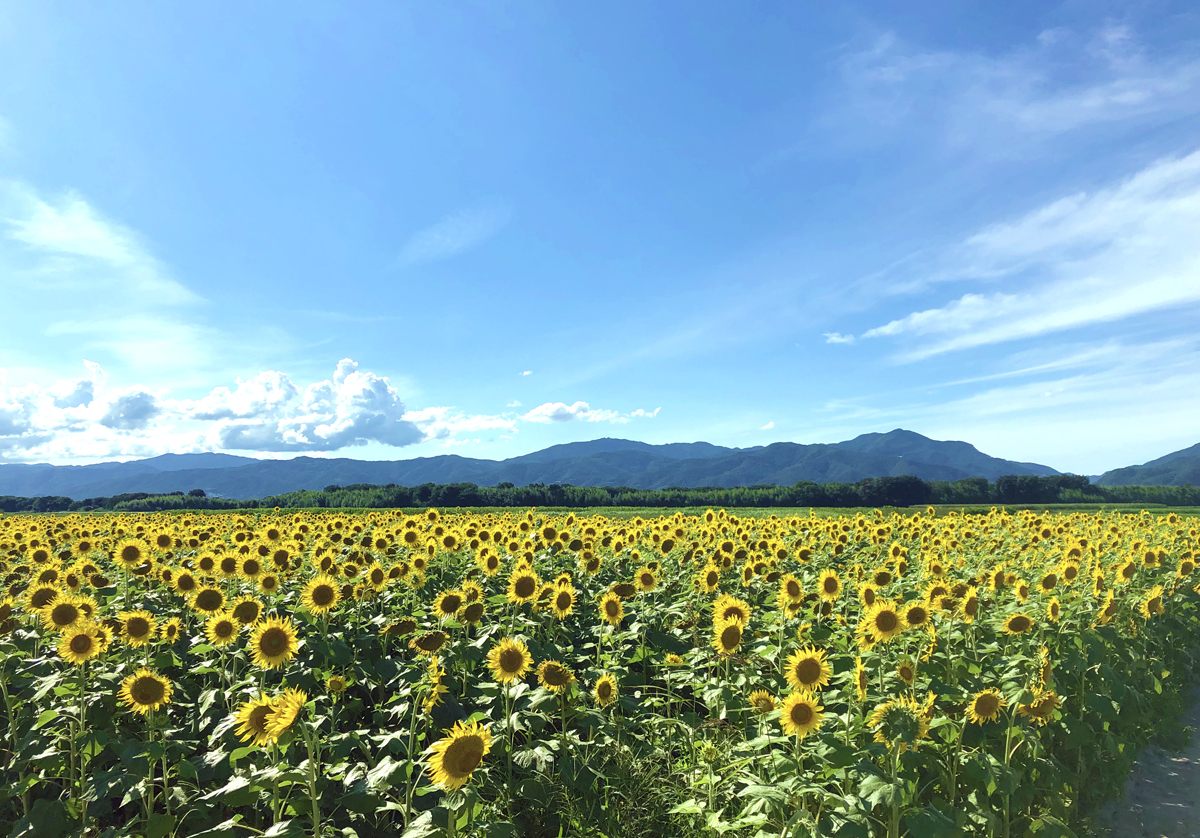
<point>309,736</point>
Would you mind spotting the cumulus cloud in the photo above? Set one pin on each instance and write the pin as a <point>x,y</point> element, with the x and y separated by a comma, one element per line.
<point>837,337</point>
<point>131,412</point>
<point>271,413</point>
<point>552,412</point>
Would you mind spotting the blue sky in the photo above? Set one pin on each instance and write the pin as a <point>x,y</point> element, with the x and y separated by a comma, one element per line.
<point>400,230</point>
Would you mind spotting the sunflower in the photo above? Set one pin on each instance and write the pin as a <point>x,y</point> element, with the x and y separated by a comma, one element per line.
<point>563,602</point>
<point>1021,589</point>
<point>453,758</point>
<point>762,701</point>
<point>208,600</point>
<point>829,585</point>
<point>399,628</point>
<point>985,706</point>
<point>1018,624</point>
<point>900,723</point>
<point>79,643</point>
<point>336,684</point>
<point>915,614</point>
<point>170,629</point>
<point>907,670</point>
<point>287,708</point>
<point>523,585</point>
<point>137,627</point>
<point>63,613</point>
<point>184,582</point>
<point>708,578</point>
<point>808,669</point>
<point>321,595</point>
<point>1152,604</point>
<point>624,589</point>
<point>40,596</point>
<point>448,604</point>
<point>273,642</point>
<point>129,554</point>
<point>800,714</point>
<point>1053,610</point>
<point>883,621</point>
<point>472,613</point>
<point>970,605</point>
<point>253,718</point>
<point>472,591</point>
<point>144,691</point>
<point>605,690</point>
<point>867,594</point>
<point>727,637</point>
<point>269,583</point>
<point>246,610</point>
<point>509,660</point>
<point>429,642</point>
<point>222,628</point>
<point>1041,709</point>
<point>612,610</point>
<point>731,609</point>
<point>645,579</point>
<point>861,679</point>
<point>1126,571</point>
<point>554,676</point>
<point>1108,610</point>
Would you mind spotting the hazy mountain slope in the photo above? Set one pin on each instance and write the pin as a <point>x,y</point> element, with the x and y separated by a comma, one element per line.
<point>602,462</point>
<point>1175,469</point>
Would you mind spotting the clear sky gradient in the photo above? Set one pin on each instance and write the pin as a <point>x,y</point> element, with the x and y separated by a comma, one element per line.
<point>389,230</point>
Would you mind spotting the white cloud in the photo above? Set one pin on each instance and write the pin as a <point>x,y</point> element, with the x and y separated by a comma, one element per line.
<point>527,372</point>
<point>445,422</point>
<point>552,412</point>
<point>767,426</point>
<point>998,104</point>
<point>1087,259</point>
<point>513,403</point>
<point>837,337</point>
<point>453,235</point>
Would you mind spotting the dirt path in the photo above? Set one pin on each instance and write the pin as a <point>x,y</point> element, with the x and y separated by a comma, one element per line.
<point>1162,797</point>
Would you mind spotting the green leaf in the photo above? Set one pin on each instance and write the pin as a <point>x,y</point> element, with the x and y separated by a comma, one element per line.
<point>930,822</point>
<point>687,807</point>
<point>877,790</point>
<point>160,825</point>
<point>45,718</point>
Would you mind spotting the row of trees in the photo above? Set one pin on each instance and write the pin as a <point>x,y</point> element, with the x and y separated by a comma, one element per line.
<point>872,492</point>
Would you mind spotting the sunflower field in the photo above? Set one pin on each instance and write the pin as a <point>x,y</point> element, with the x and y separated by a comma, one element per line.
<point>471,674</point>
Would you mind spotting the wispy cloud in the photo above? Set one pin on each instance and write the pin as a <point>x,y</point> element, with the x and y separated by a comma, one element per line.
<point>527,372</point>
<point>997,104</point>
<point>838,337</point>
<point>767,427</point>
<point>556,412</point>
<point>452,235</point>
<point>1090,258</point>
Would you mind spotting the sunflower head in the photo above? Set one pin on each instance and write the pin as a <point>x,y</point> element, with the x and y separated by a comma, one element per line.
<point>79,643</point>
<point>612,610</point>
<point>808,669</point>
<point>554,676</point>
<point>800,714</point>
<point>985,706</point>
<point>222,628</point>
<point>137,627</point>
<point>1018,624</point>
<point>762,701</point>
<point>273,642</point>
<point>253,718</point>
<point>605,690</point>
<point>144,691</point>
<point>727,637</point>
<point>509,660</point>
<point>454,758</point>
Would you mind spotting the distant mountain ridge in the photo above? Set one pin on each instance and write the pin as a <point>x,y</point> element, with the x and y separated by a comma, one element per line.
<point>1178,468</point>
<point>599,462</point>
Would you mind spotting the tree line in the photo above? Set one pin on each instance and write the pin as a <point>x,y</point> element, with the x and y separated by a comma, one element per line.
<point>871,492</point>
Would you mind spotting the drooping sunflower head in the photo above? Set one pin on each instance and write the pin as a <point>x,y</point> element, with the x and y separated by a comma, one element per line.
<point>1042,708</point>
<point>985,706</point>
<point>247,610</point>
<point>554,676</point>
<point>605,690</point>
<point>144,691</point>
<point>429,642</point>
<point>762,701</point>
<point>472,613</point>
<point>454,758</point>
<point>861,679</point>
<point>899,723</point>
<point>1018,624</point>
<point>800,714</point>
<point>808,669</point>
<point>273,642</point>
<point>1152,604</point>
<point>509,660</point>
<point>287,709</point>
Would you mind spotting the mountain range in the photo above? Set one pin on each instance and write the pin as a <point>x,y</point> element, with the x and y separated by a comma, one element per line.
<point>600,462</point>
<point>1175,469</point>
